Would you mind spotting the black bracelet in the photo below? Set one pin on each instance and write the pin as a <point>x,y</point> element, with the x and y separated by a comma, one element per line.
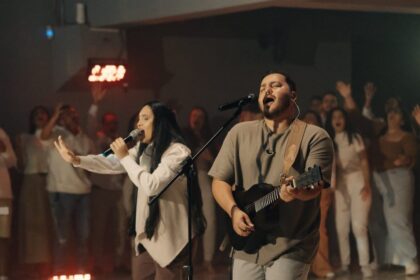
<point>233,208</point>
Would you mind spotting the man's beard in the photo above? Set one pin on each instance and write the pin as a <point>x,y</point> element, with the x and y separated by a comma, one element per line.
<point>284,104</point>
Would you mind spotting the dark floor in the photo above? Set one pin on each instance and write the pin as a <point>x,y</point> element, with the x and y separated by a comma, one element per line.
<point>221,273</point>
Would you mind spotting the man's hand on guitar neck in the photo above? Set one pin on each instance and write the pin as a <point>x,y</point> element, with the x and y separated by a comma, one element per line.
<point>288,193</point>
<point>241,222</point>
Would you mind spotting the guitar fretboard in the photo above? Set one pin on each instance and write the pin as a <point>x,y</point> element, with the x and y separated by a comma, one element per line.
<point>308,178</point>
<point>264,201</point>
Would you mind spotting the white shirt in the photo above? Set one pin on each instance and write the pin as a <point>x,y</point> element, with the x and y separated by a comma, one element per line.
<point>7,160</point>
<point>171,234</point>
<point>62,176</point>
<point>101,142</point>
<point>348,154</point>
<point>34,153</point>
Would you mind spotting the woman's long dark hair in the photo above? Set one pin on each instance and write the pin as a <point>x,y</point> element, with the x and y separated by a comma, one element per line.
<point>348,127</point>
<point>32,124</point>
<point>165,132</point>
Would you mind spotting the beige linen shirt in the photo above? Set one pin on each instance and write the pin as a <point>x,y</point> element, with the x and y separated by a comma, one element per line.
<point>252,154</point>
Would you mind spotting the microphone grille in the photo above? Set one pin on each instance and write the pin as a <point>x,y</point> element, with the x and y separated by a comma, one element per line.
<point>135,133</point>
<point>252,96</point>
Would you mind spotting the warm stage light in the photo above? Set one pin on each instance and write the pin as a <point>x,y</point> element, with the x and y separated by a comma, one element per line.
<point>72,277</point>
<point>107,73</point>
<point>106,70</point>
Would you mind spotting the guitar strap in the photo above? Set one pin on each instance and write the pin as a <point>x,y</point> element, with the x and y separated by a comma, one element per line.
<point>293,145</point>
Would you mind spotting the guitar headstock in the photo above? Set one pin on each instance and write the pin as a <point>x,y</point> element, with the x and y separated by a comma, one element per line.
<point>309,178</point>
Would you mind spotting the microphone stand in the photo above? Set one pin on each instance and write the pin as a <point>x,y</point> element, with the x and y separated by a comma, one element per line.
<point>188,170</point>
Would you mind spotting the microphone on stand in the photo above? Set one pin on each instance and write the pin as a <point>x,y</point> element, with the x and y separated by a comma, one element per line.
<point>240,102</point>
<point>131,137</point>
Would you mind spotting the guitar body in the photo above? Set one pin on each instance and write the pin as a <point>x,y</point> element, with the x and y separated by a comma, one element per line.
<point>261,203</point>
<point>262,220</point>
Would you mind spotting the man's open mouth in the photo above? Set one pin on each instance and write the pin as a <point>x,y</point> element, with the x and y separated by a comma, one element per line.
<point>268,100</point>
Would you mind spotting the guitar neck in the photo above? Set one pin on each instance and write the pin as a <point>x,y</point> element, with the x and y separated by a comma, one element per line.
<point>308,178</point>
<point>264,201</point>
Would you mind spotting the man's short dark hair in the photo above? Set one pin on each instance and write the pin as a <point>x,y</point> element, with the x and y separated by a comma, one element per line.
<point>289,80</point>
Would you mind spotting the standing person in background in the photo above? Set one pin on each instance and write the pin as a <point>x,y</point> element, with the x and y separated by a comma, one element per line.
<point>106,189</point>
<point>415,113</point>
<point>352,190</point>
<point>34,215</point>
<point>329,102</point>
<point>369,128</point>
<point>68,189</point>
<point>394,155</point>
<point>7,160</point>
<point>321,266</point>
<point>197,134</point>
<point>315,104</point>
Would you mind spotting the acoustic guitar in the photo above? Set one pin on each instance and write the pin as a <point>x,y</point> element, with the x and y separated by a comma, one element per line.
<point>258,202</point>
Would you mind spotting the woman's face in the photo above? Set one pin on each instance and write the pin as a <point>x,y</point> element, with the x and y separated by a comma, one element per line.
<point>40,118</point>
<point>338,121</point>
<point>145,124</point>
<point>197,118</point>
<point>395,119</point>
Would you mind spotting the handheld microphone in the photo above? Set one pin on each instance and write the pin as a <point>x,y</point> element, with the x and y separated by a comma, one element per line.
<point>240,102</point>
<point>131,137</point>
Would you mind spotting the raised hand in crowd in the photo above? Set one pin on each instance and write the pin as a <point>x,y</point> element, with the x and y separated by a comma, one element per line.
<point>370,91</point>
<point>98,92</point>
<point>344,89</point>
<point>47,130</point>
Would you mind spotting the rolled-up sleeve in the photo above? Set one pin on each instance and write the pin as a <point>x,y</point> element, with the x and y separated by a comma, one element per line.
<point>321,153</point>
<point>223,167</point>
<point>152,183</point>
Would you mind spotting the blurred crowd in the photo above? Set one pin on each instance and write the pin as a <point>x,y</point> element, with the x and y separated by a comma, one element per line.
<point>66,220</point>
